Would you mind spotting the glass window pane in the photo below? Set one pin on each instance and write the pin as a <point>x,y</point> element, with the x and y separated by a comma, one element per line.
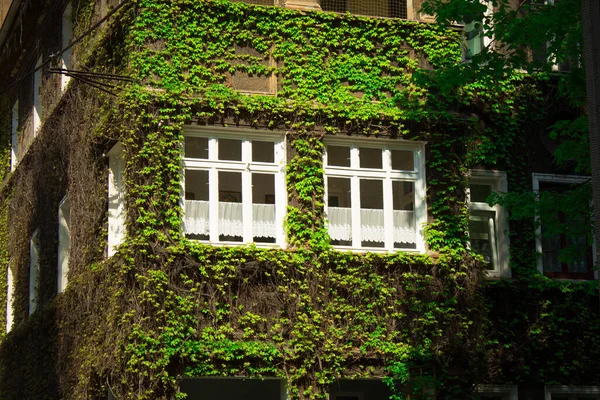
<point>479,192</point>
<point>482,236</point>
<point>370,158</point>
<point>196,147</point>
<point>263,151</point>
<point>263,208</point>
<point>403,160</point>
<point>403,195</point>
<point>405,234</point>
<point>196,185</point>
<point>371,213</point>
<point>231,219</point>
<point>338,156</point>
<point>230,149</point>
<point>339,212</point>
<point>196,219</point>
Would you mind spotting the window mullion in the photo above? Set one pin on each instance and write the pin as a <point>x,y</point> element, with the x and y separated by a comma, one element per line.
<point>247,191</point>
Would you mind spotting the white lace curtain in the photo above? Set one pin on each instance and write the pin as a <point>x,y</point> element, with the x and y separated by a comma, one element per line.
<point>231,222</point>
<point>372,227</point>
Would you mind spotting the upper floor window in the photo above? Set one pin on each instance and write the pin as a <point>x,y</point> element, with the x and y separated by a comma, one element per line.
<point>375,194</point>
<point>66,37</point>
<point>562,240</point>
<point>376,8</point>
<point>561,392</point>
<point>487,224</point>
<point>496,392</point>
<point>234,186</point>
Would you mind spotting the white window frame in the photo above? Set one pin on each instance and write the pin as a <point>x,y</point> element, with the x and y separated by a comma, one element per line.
<point>567,180</point>
<point>37,97</point>
<point>64,243</point>
<point>570,391</point>
<point>509,392</point>
<point>387,175</point>
<point>67,37</point>
<point>14,134</point>
<point>34,271</point>
<point>116,198</point>
<point>497,180</point>
<point>10,298</point>
<point>246,167</point>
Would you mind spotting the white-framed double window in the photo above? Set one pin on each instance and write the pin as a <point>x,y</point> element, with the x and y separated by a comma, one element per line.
<point>488,226</point>
<point>563,392</point>
<point>496,392</point>
<point>375,193</point>
<point>234,184</point>
<point>549,244</point>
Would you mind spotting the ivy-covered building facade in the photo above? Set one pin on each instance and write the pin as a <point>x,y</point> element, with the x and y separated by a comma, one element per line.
<point>279,200</point>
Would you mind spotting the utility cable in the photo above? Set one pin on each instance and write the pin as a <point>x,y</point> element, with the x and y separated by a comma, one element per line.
<point>59,53</point>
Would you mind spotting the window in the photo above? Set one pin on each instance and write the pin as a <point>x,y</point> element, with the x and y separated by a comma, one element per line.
<point>116,199</point>
<point>234,186</point>
<point>376,8</point>
<point>67,36</point>
<point>487,224</point>
<point>560,392</point>
<point>475,39</point>
<point>496,392</point>
<point>10,298</point>
<point>64,242</point>
<point>14,134</point>
<point>375,194</point>
<point>555,234</point>
<point>37,98</point>
<point>34,271</point>
<point>359,389</point>
<point>234,389</point>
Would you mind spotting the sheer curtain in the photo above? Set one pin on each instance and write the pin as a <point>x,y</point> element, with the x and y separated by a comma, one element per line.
<point>231,222</point>
<point>372,225</point>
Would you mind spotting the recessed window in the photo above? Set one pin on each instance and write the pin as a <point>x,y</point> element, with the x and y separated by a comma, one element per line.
<point>562,392</point>
<point>234,187</point>
<point>66,37</point>
<point>10,298</point>
<point>14,134</point>
<point>496,392</point>
<point>34,271</point>
<point>488,234</point>
<point>116,199</point>
<point>558,233</point>
<point>359,389</point>
<point>234,389</point>
<point>375,194</point>
<point>64,242</point>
